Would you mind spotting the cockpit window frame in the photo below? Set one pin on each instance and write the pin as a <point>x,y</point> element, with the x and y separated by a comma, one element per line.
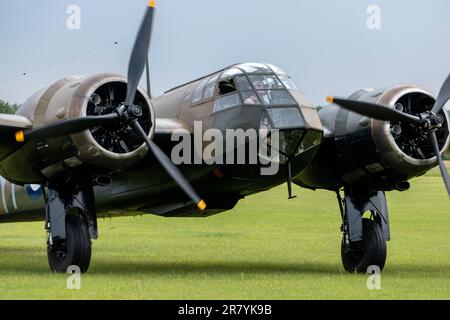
<point>204,83</point>
<point>219,76</point>
<point>215,79</point>
<point>247,75</point>
<point>276,125</point>
<point>240,92</point>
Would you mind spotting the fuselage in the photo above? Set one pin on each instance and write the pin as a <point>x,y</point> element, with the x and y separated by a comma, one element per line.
<point>226,100</point>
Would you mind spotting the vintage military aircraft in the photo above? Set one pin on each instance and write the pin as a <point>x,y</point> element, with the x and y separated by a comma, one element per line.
<point>84,148</point>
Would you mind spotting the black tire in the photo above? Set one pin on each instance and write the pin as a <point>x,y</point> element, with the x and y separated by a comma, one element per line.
<point>75,250</point>
<point>372,251</point>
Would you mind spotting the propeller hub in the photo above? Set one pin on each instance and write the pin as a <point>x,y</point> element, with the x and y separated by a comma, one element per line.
<point>134,111</point>
<point>437,119</point>
<point>130,113</point>
<point>432,121</point>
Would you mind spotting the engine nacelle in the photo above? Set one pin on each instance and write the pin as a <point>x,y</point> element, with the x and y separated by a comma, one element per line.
<point>365,153</point>
<point>101,149</point>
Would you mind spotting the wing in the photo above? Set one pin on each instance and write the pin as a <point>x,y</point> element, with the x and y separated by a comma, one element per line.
<point>9,125</point>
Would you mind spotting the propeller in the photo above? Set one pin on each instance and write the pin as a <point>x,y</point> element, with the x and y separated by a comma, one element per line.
<point>66,127</point>
<point>138,60</point>
<point>375,111</point>
<point>428,122</point>
<point>127,114</point>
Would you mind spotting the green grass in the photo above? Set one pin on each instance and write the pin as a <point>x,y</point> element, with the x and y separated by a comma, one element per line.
<point>435,172</point>
<point>266,248</point>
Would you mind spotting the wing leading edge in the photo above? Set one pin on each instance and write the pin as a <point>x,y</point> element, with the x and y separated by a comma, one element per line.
<point>9,125</point>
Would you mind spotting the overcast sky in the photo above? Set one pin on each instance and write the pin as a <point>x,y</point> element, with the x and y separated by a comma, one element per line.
<point>325,45</point>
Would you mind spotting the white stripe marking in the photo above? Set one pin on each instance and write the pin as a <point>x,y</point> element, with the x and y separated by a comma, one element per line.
<point>2,180</point>
<point>13,196</point>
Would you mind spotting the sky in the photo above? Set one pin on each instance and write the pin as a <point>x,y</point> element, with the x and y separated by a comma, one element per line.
<point>325,45</point>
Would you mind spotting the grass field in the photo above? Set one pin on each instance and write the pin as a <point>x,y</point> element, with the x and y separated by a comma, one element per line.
<point>266,248</point>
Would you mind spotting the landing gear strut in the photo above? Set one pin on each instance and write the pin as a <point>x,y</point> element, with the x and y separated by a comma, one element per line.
<point>71,224</point>
<point>364,241</point>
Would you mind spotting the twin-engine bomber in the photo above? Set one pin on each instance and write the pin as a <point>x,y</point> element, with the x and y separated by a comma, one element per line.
<point>92,147</point>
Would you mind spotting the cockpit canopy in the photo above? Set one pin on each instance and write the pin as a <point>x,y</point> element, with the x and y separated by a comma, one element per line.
<point>258,96</point>
<point>246,84</point>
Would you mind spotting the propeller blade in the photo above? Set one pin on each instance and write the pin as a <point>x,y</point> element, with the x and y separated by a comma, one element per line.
<point>443,97</point>
<point>375,111</point>
<point>66,127</point>
<point>171,169</point>
<point>442,166</point>
<point>139,53</point>
<point>147,75</point>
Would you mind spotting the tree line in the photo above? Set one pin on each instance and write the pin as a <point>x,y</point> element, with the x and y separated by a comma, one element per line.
<point>6,107</point>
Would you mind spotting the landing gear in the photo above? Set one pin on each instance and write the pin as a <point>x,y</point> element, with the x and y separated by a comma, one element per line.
<point>75,250</point>
<point>71,223</point>
<point>364,241</point>
<point>371,251</point>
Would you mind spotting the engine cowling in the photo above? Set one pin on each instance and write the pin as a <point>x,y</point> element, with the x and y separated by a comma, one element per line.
<point>104,149</point>
<point>366,153</point>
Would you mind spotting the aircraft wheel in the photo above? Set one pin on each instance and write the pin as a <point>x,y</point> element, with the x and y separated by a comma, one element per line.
<point>357,257</point>
<point>75,250</point>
